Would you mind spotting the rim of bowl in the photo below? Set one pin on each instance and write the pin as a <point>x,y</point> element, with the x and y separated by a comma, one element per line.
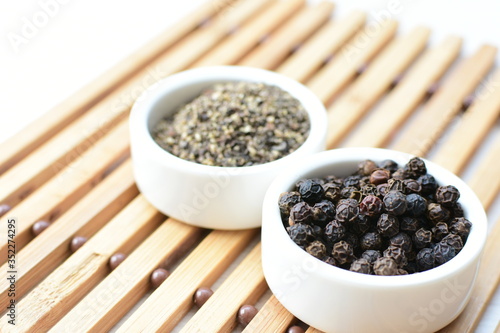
<point>144,105</point>
<point>473,207</point>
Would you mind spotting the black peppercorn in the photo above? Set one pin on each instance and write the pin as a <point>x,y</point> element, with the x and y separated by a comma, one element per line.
<point>415,167</point>
<point>385,266</point>
<point>388,165</point>
<point>347,210</point>
<point>395,203</point>
<point>302,234</point>
<point>343,253</point>
<point>382,189</point>
<point>334,231</point>
<point>361,225</point>
<point>454,241</point>
<point>422,238</point>
<point>330,261</point>
<point>331,192</point>
<point>361,266</point>
<point>349,192</point>
<point>323,212</point>
<point>396,253</point>
<point>366,167</point>
<point>403,241</point>
<point>443,252</point>
<point>379,176</point>
<point>412,186</point>
<point>371,255</point>
<point>437,213</point>
<point>352,181</point>
<point>371,241</point>
<point>416,205</point>
<point>409,224</point>
<point>425,259</point>
<point>300,213</point>
<point>461,226</point>
<point>439,231</point>
<point>352,239</point>
<point>457,210</point>
<point>369,189</point>
<point>428,184</point>
<point>395,185</point>
<point>387,225</point>
<point>447,195</point>
<point>311,191</point>
<point>371,205</point>
<point>287,200</point>
<point>317,249</point>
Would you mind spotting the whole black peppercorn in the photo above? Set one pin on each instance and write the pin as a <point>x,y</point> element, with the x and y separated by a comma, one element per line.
<point>371,205</point>
<point>317,249</point>
<point>334,231</point>
<point>447,195</point>
<point>416,205</point>
<point>361,266</point>
<point>403,241</point>
<point>457,210</point>
<point>330,261</point>
<point>387,225</point>
<point>366,167</point>
<point>409,224</point>
<point>454,241</point>
<point>343,253</point>
<point>425,259</point>
<point>323,212</point>
<point>300,213</point>
<point>302,234</point>
<point>439,231</point>
<point>371,255</point>
<point>412,186</point>
<point>347,210</point>
<point>437,213</point>
<point>349,192</point>
<point>361,225</point>
<point>422,238</point>
<point>379,176</point>
<point>400,174</point>
<point>382,189</point>
<point>395,203</point>
<point>331,192</point>
<point>369,189</point>
<point>385,266</point>
<point>396,253</point>
<point>371,241</point>
<point>443,252</point>
<point>352,181</point>
<point>395,185</point>
<point>415,167</point>
<point>311,190</point>
<point>461,226</point>
<point>388,165</point>
<point>352,239</point>
<point>411,267</point>
<point>287,200</point>
<point>428,184</point>
<point>365,181</point>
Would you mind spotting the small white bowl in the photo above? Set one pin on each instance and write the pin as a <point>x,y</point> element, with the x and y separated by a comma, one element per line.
<point>337,300</point>
<point>210,196</point>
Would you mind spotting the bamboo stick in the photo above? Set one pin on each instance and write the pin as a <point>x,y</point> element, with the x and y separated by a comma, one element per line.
<point>473,127</point>
<point>445,103</point>
<point>406,96</point>
<point>63,148</point>
<point>238,44</point>
<point>244,286</point>
<point>278,46</point>
<point>363,93</point>
<point>73,182</point>
<point>201,268</point>
<point>20,145</point>
<point>273,317</point>
<point>336,74</point>
<point>101,309</point>
<point>44,253</point>
<point>313,330</point>
<point>72,280</point>
<point>302,64</point>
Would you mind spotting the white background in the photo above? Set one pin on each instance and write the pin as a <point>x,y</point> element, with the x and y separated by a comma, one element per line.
<point>83,39</point>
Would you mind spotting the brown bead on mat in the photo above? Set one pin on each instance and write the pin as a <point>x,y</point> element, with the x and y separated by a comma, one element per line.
<point>116,259</point>
<point>77,242</point>
<point>246,313</point>
<point>158,276</point>
<point>39,227</point>
<point>202,295</point>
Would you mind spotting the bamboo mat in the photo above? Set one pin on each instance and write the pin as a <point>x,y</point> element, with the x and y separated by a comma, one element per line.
<point>72,167</point>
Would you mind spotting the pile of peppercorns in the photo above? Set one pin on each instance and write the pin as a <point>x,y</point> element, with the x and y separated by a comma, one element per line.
<point>382,220</point>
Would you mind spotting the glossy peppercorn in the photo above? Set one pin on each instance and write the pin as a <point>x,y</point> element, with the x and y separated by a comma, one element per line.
<point>388,165</point>
<point>371,205</point>
<point>416,205</point>
<point>425,259</point>
<point>311,190</point>
<point>366,167</point>
<point>379,176</point>
<point>428,184</point>
<point>443,252</point>
<point>395,203</point>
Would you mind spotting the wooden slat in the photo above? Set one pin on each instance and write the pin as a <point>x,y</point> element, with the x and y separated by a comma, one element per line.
<point>273,317</point>
<point>63,148</point>
<point>365,91</point>
<point>72,280</point>
<point>17,147</point>
<point>201,268</point>
<point>244,286</point>
<point>406,96</point>
<point>313,330</point>
<point>445,103</point>
<point>101,309</point>
<point>238,44</point>
<point>73,182</point>
<point>44,253</point>
<point>474,125</point>
<point>335,76</point>
<point>302,64</point>
<point>279,44</point>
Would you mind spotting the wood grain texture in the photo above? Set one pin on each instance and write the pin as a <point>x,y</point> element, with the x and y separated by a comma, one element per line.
<point>72,280</point>
<point>234,47</point>
<point>201,268</point>
<point>296,30</point>
<point>445,103</point>
<point>44,253</point>
<point>364,92</point>
<point>312,55</point>
<point>406,96</point>
<point>341,70</point>
<point>473,127</point>
<point>313,330</point>
<point>48,125</point>
<point>273,317</point>
<point>122,288</point>
<point>245,285</point>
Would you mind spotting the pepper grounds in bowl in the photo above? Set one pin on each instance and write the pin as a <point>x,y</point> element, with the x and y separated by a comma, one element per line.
<point>382,220</point>
<point>235,124</point>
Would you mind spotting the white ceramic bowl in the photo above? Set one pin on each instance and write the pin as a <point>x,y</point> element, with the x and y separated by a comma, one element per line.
<point>336,300</point>
<point>209,196</point>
